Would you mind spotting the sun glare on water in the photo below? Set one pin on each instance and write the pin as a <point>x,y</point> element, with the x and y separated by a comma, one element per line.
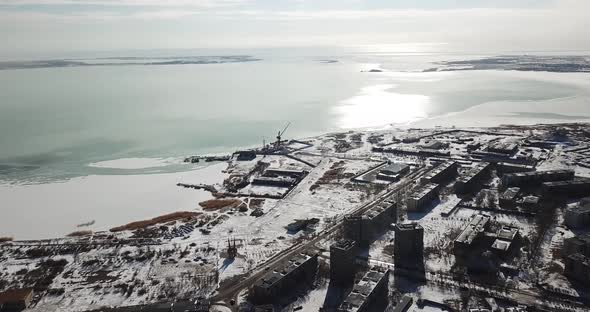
<point>377,106</point>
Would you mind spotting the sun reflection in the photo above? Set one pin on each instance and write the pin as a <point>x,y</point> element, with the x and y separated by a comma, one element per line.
<point>376,106</point>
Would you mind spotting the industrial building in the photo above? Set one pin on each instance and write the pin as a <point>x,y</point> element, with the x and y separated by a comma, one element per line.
<point>577,244</point>
<point>392,172</point>
<point>577,267</point>
<point>578,216</point>
<point>342,261</point>
<point>369,294</point>
<point>469,181</point>
<point>408,250</point>
<point>569,188</point>
<point>422,197</point>
<point>366,228</point>
<point>433,145</point>
<point>470,235</point>
<point>536,177</point>
<point>503,148</point>
<point>441,173</point>
<point>15,299</point>
<point>274,181</point>
<point>508,197</point>
<point>293,172</point>
<point>300,269</point>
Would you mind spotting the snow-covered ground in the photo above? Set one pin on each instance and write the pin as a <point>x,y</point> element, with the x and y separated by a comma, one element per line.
<point>54,210</point>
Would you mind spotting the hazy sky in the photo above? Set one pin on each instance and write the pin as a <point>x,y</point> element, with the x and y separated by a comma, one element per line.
<point>41,26</point>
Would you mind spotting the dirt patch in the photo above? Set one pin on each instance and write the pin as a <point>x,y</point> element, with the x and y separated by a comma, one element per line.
<point>216,204</point>
<point>175,216</point>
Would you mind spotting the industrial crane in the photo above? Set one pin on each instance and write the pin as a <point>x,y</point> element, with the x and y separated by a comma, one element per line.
<point>280,134</point>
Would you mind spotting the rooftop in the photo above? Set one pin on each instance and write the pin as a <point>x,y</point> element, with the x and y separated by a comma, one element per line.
<point>424,190</point>
<point>580,258</point>
<point>540,173</point>
<point>394,168</point>
<point>408,226</point>
<point>273,277</point>
<point>473,172</point>
<point>344,244</point>
<point>580,209</point>
<point>507,233</point>
<point>473,229</point>
<point>438,169</point>
<point>511,193</point>
<point>501,245</point>
<point>356,299</point>
<point>570,182</point>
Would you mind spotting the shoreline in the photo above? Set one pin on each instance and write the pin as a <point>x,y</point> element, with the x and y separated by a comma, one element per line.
<point>122,199</point>
<point>110,200</point>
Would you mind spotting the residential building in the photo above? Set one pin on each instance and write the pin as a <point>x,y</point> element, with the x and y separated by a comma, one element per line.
<point>369,294</point>
<point>577,217</point>
<point>470,181</point>
<point>508,197</point>
<point>470,235</point>
<point>567,188</point>
<point>577,244</point>
<point>441,173</point>
<point>342,261</point>
<point>408,250</point>
<point>536,177</point>
<point>299,270</point>
<point>577,267</point>
<point>422,197</point>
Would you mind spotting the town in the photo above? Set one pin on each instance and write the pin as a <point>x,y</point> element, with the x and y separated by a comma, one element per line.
<point>439,219</point>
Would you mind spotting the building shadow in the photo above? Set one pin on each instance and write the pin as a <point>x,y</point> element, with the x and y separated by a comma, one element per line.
<point>418,215</point>
<point>335,295</point>
<point>226,263</point>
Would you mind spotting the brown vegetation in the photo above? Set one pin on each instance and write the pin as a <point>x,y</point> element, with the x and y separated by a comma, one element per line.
<point>175,216</point>
<point>216,204</point>
<point>80,233</point>
<point>6,239</point>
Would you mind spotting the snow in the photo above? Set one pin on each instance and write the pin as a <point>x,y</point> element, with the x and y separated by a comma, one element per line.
<point>54,210</point>
<point>135,163</point>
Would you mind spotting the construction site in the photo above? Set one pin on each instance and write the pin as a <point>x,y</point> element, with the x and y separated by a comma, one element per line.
<point>440,219</point>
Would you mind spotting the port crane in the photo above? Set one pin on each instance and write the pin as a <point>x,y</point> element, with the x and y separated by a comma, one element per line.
<point>279,136</point>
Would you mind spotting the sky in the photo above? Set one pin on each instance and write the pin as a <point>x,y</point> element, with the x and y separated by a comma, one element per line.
<point>61,26</point>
